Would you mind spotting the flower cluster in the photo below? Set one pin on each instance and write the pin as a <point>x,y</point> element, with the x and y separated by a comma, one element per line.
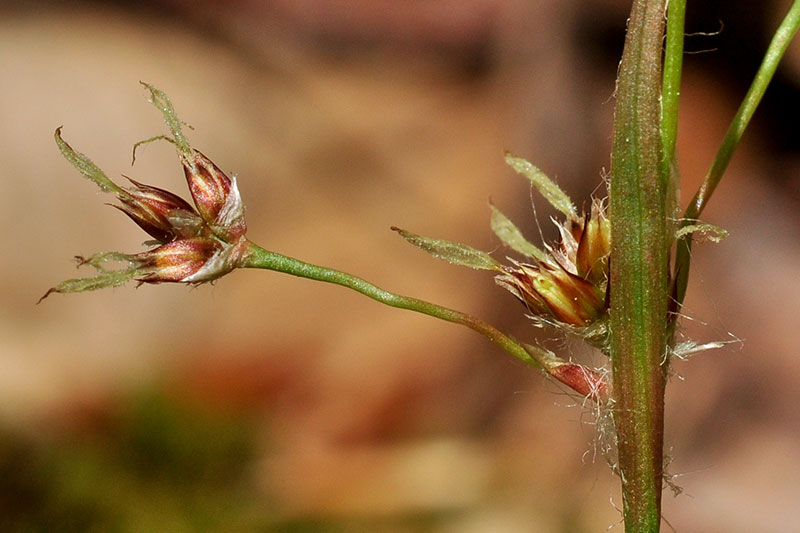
<point>566,284</point>
<point>192,244</point>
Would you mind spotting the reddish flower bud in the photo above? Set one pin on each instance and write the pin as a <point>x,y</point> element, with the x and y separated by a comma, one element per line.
<point>163,215</point>
<point>585,381</point>
<point>215,195</point>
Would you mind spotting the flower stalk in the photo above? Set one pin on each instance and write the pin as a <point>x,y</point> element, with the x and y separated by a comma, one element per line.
<point>585,381</point>
<point>202,243</point>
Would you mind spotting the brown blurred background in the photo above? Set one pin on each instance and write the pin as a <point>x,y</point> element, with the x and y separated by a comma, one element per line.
<point>266,402</point>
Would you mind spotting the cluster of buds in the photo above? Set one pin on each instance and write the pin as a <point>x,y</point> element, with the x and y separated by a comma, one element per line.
<point>564,285</point>
<point>570,284</point>
<point>191,244</point>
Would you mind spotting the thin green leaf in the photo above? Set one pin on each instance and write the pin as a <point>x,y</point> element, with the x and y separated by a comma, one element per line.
<point>671,85</point>
<point>98,260</point>
<point>148,141</point>
<point>111,278</point>
<point>777,48</point>
<point>546,187</point>
<point>86,167</point>
<point>512,237</point>
<point>162,102</point>
<point>453,252</point>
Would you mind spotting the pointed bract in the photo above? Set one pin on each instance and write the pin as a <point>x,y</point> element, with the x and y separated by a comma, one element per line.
<point>162,102</point>
<point>86,166</point>
<point>512,237</point>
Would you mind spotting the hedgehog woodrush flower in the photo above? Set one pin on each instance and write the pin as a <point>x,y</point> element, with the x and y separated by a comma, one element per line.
<point>193,245</point>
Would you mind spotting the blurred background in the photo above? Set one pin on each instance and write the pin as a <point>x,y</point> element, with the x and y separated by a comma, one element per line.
<point>270,403</point>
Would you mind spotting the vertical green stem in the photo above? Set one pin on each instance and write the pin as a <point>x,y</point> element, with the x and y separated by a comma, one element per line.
<point>671,89</point>
<point>638,274</point>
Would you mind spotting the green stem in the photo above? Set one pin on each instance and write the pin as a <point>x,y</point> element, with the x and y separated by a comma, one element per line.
<point>671,87</point>
<point>777,48</point>
<point>257,257</point>
<point>584,381</point>
<point>638,275</point>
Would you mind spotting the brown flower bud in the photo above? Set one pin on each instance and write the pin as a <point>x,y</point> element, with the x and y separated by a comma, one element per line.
<point>193,260</point>
<point>163,215</point>
<point>570,283</point>
<point>552,291</point>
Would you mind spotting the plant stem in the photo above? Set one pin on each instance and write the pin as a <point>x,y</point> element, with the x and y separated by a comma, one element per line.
<point>257,257</point>
<point>584,381</point>
<point>780,42</point>
<point>638,276</point>
<point>671,87</point>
